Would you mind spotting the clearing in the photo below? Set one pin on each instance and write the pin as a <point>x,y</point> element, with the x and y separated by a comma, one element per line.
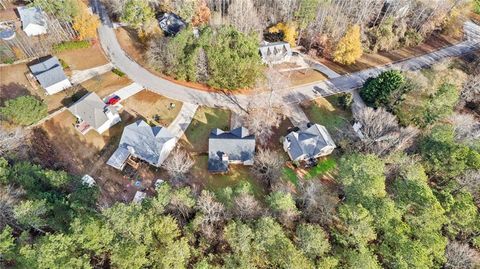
<point>205,119</point>
<point>80,59</point>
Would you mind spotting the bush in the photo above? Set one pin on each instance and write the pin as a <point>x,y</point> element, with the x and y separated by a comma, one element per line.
<point>376,91</point>
<point>24,110</point>
<point>63,63</point>
<point>118,72</point>
<point>345,100</point>
<point>71,45</point>
<point>476,6</point>
<point>8,61</point>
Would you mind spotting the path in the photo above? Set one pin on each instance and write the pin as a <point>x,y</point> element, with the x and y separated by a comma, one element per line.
<point>298,117</point>
<point>80,76</point>
<point>185,94</point>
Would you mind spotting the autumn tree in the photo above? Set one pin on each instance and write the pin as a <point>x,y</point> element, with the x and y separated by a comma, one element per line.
<point>178,164</point>
<point>349,48</point>
<point>202,14</point>
<point>85,23</point>
<point>289,31</point>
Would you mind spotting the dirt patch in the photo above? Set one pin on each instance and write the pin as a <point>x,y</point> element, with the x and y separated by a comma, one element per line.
<point>305,76</point>
<point>106,84</point>
<point>80,59</point>
<point>152,107</point>
<point>433,43</point>
<point>13,82</point>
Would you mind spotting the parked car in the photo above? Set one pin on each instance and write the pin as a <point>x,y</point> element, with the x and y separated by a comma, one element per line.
<point>113,100</point>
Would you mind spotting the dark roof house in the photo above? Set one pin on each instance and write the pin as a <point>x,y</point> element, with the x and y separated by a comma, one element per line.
<point>49,73</point>
<point>311,143</point>
<point>151,144</point>
<point>171,23</point>
<point>234,147</point>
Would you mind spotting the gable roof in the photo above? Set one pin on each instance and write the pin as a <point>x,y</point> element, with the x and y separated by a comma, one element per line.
<point>309,142</point>
<point>171,23</point>
<point>48,72</point>
<point>145,142</point>
<point>31,15</point>
<point>237,144</point>
<point>275,51</point>
<point>92,109</point>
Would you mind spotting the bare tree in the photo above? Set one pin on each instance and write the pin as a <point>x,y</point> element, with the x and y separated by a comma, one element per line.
<point>246,207</point>
<point>380,131</point>
<point>178,164</point>
<point>268,165</point>
<point>471,182</point>
<point>470,96</point>
<point>318,201</point>
<point>266,111</point>
<point>461,256</point>
<point>243,16</point>
<point>11,139</point>
<point>9,197</point>
<point>467,127</point>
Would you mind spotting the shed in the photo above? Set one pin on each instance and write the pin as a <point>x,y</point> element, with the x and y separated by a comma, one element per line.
<point>33,20</point>
<point>49,73</point>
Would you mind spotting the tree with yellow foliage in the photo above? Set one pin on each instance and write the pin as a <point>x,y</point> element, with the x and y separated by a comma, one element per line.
<point>349,48</point>
<point>85,23</point>
<point>288,29</point>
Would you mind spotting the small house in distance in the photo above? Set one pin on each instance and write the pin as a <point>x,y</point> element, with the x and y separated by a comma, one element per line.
<point>171,23</point>
<point>144,142</point>
<point>275,52</point>
<point>308,144</point>
<point>49,73</point>
<point>93,113</point>
<point>33,20</point>
<point>234,147</point>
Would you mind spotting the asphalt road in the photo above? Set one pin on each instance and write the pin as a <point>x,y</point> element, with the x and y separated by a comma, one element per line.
<point>182,93</point>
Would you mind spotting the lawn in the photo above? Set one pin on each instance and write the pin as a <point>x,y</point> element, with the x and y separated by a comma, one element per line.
<point>328,112</point>
<point>217,182</point>
<point>80,59</point>
<point>105,84</point>
<point>152,107</point>
<point>205,119</point>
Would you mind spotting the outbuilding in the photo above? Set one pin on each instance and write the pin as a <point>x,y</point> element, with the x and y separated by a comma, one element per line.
<point>33,20</point>
<point>49,73</point>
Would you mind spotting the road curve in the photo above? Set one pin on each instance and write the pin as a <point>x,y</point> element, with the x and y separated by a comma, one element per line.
<point>182,93</point>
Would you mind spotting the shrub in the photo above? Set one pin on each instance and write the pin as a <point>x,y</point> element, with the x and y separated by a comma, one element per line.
<point>345,100</point>
<point>63,63</point>
<point>24,110</point>
<point>376,91</point>
<point>118,72</point>
<point>71,45</point>
<point>9,61</point>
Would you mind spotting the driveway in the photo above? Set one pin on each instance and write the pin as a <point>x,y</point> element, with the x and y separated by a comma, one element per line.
<point>80,76</point>
<point>299,94</point>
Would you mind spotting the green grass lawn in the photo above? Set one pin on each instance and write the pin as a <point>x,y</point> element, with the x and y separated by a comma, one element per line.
<point>217,182</point>
<point>323,166</point>
<point>290,175</point>
<point>328,112</point>
<point>204,121</point>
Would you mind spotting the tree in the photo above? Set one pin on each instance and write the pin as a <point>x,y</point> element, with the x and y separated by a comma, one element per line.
<point>245,207</point>
<point>202,14</point>
<point>85,24</point>
<point>24,110</point>
<point>376,91</point>
<point>467,128</point>
<point>32,213</point>
<point>317,201</point>
<point>137,13</point>
<point>357,228</point>
<point>312,240</point>
<point>7,244</point>
<point>380,132</point>
<point>470,95</point>
<point>268,165</point>
<point>243,16</point>
<point>360,259</point>
<point>178,164</point>
<point>289,31</point>
<point>64,10</point>
<point>305,14</point>
<point>283,207</point>
<point>461,256</point>
<point>349,48</point>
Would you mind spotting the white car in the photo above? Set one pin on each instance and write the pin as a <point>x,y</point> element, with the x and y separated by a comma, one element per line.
<point>158,182</point>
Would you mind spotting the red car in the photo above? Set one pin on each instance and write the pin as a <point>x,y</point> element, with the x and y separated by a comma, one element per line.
<point>113,100</point>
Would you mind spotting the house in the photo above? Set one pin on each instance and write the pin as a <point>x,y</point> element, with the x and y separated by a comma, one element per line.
<point>49,73</point>
<point>93,113</point>
<point>275,52</point>
<point>308,144</point>
<point>234,147</point>
<point>33,20</point>
<point>142,141</point>
<point>171,23</point>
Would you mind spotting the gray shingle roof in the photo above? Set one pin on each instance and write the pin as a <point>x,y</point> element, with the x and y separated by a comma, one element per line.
<point>309,142</point>
<point>238,145</point>
<point>145,142</point>
<point>48,72</point>
<point>31,15</point>
<point>118,158</point>
<point>91,109</point>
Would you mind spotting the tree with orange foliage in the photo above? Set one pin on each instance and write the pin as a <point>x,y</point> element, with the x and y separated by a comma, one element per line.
<point>85,23</point>
<point>202,14</point>
<point>288,29</point>
<point>349,48</point>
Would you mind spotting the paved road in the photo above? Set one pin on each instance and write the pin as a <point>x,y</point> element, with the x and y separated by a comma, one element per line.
<point>293,95</point>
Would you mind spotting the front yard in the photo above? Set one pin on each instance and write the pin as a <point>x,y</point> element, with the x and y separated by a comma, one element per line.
<point>205,119</point>
<point>329,113</point>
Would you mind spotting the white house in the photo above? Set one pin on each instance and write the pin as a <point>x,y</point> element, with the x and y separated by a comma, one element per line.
<point>142,141</point>
<point>275,52</point>
<point>93,113</point>
<point>33,20</point>
<point>311,143</point>
<point>50,75</point>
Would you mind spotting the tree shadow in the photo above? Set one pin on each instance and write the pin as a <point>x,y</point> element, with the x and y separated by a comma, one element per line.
<point>10,91</point>
<point>73,94</point>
